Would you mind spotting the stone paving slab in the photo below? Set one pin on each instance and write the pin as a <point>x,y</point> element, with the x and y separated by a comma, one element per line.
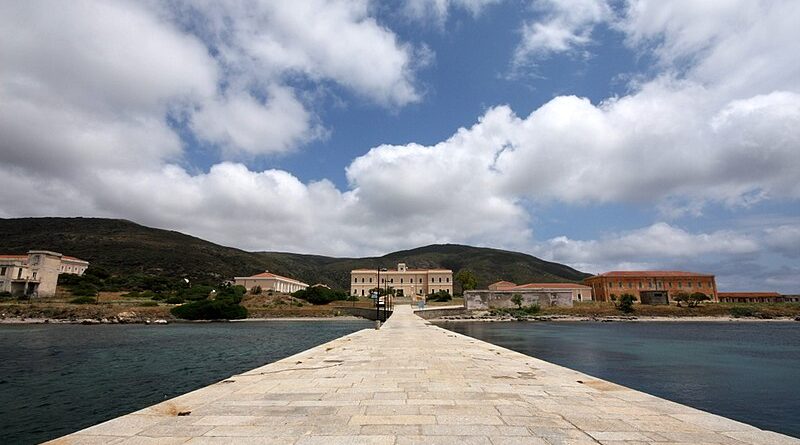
<point>414,383</point>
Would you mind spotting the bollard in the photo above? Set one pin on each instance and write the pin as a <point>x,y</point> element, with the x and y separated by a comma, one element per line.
<point>377,324</point>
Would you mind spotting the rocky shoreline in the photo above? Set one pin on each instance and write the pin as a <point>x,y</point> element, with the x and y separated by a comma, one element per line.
<point>605,319</point>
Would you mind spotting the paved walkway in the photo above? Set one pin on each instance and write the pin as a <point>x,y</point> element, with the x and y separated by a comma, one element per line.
<point>414,383</point>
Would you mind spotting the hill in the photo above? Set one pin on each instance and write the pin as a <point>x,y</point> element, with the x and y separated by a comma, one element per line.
<point>124,247</point>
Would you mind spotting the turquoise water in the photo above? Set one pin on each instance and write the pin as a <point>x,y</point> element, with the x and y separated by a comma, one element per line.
<point>56,379</point>
<point>746,371</point>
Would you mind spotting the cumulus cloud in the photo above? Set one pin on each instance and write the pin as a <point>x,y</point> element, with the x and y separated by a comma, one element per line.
<point>648,245</point>
<point>559,27</point>
<point>110,80</point>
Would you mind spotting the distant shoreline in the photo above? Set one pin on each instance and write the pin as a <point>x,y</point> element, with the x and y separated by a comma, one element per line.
<point>616,319</point>
<point>25,320</point>
<point>539,319</point>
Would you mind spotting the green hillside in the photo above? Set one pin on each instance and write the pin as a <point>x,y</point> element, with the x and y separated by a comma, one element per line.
<point>124,247</point>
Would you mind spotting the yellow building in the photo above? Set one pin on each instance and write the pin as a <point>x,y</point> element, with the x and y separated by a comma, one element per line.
<point>270,281</point>
<point>406,282</point>
<point>35,274</point>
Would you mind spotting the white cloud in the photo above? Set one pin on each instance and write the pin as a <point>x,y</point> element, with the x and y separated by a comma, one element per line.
<point>655,244</point>
<point>439,10</point>
<point>560,26</point>
<point>784,239</point>
<point>240,122</point>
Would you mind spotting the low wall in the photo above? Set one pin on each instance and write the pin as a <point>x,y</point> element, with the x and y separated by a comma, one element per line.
<point>427,314</point>
<point>363,312</point>
<point>488,299</point>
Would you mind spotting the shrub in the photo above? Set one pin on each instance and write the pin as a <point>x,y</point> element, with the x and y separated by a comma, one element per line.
<point>697,298</point>
<point>5,294</point>
<point>439,296</point>
<point>742,311</point>
<point>174,300</point>
<point>320,295</point>
<point>210,310</point>
<point>83,300</point>
<point>517,299</point>
<point>195,293</point>
<point>255,290</point>
<point>625,303</point>
<point>84,290</point>
<point>148,303</point>
<point>517,313</point>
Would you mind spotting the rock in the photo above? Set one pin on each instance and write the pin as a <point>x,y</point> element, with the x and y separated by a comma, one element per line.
<point>796,318</point>
<point>160,321</point>
<point>104,320</point>
<point>127,317</point>
<point>90,321</point>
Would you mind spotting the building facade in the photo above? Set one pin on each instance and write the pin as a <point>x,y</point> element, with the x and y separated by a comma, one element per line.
<point>270,281</point>
<point>651,286</point>
<point>414,283</point>
<point>756,297</point>
<point>579,291</point>
<point>35,274</point>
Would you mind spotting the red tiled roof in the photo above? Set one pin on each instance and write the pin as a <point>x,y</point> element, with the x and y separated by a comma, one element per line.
<point>503,284</point>
<point>551,286</point>
<point>13,257</point>
<point>271,275</point>
<point>650,273</point>
<point>747,294</point>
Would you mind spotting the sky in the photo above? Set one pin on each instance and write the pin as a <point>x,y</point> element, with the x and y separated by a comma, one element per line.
<point>603,134</point>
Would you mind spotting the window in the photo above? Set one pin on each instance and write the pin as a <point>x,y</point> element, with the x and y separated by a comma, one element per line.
<point>610,285</point>
<point>640,285</point>
<point>433,280</point>
<point>383,280</point>
<point>362,280</point>
<point>401,281</point>
<point>699,284</point>
<point>630,285</point>
<point>440,279</point>
<point>370,280</point>
<point>680,285</point>
<point>34,275</point>
<point>3,271</point>
<point>355,280</point>
<point>448,279</point>
<point>391,280</point>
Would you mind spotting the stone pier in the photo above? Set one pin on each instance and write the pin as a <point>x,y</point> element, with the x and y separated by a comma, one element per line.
<point>413,383</point>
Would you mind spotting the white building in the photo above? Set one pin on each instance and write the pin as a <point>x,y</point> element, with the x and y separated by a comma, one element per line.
<point>35,274</point>
<point>270,281</point>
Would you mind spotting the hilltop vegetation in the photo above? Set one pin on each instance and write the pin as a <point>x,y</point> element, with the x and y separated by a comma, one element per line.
<point>136,256</point>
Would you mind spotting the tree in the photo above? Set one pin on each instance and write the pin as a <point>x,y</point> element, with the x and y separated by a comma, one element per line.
<point>466,279</point>
<point>517,299</point>
<point>625,303</point>
<point>696,298</point>
<point>692,300</point>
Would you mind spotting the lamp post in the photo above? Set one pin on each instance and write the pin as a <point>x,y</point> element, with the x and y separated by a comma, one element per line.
<point>378,297</point>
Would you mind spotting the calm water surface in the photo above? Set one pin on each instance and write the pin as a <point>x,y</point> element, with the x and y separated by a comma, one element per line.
<point>746,371</point>
<point>56,379</point>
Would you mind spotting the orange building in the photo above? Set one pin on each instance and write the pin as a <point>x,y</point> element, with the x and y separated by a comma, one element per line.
<point>651,286</point>
<point>755,297</point>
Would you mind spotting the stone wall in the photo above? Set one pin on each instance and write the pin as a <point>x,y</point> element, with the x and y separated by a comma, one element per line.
<point>427,314</point>
<point>486,299</point>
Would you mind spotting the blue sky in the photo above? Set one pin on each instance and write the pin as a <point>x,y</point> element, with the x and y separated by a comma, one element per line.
<point>601,134</point>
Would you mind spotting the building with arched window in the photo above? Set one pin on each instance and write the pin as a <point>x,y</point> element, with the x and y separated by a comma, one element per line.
<point>405,282</point>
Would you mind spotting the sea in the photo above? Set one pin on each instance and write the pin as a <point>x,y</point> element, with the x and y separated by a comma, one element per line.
<point>747,371</point>
<point>57,379</point>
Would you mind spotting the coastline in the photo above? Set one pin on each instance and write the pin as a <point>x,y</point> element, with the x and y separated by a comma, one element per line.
<point>613,319</point>
<point>161,321</point>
